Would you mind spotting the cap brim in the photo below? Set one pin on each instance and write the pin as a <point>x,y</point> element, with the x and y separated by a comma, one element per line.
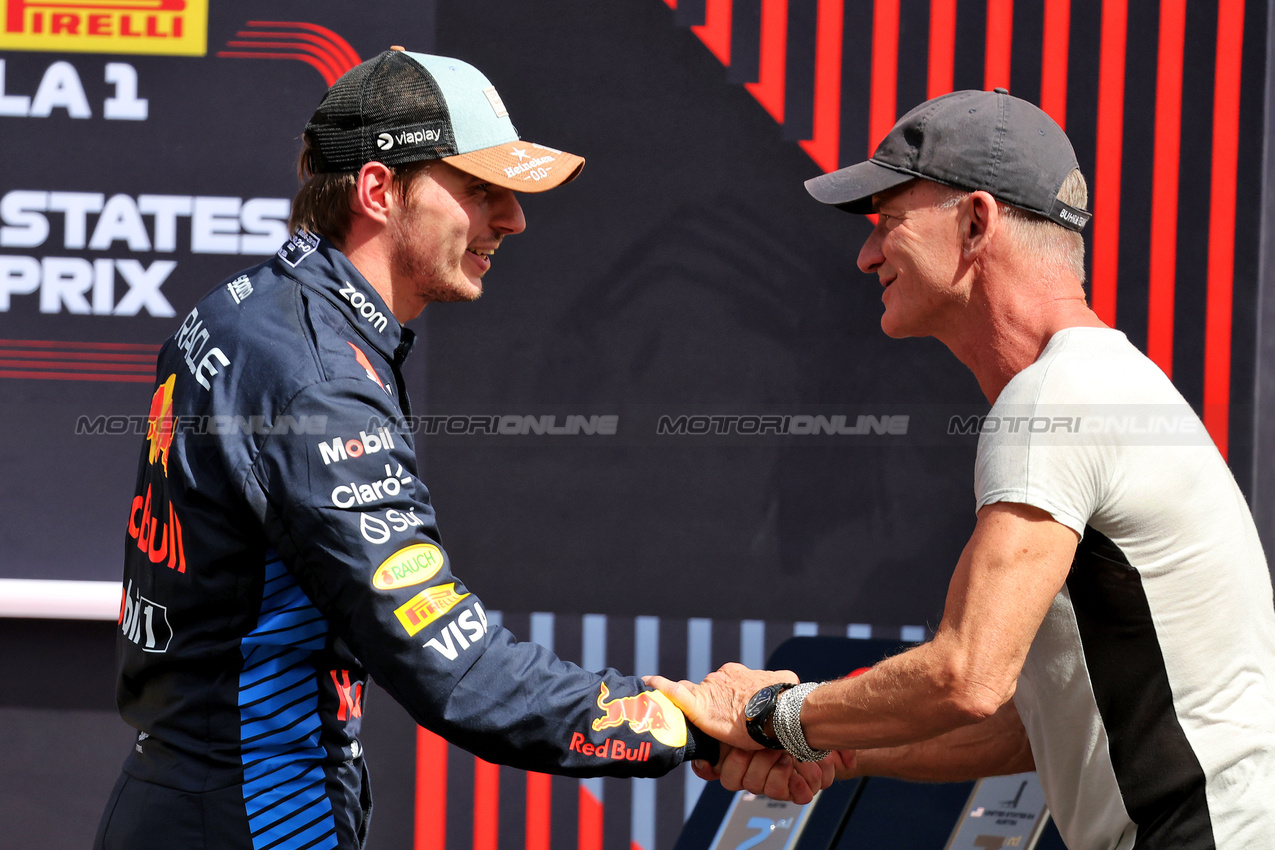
<point>521,166</point>
<point>851,188</point>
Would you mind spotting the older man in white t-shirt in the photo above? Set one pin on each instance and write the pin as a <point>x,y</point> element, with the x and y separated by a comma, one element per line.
<point>1110,623</point>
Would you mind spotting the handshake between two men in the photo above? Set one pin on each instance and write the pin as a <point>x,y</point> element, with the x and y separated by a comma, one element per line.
<point>756,715</point>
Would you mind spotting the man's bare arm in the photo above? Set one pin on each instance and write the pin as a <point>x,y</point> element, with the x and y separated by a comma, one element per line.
<point>1012,567</point>
<point>995,747</point>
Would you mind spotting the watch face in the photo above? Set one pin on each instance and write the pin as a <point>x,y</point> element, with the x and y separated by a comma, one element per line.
<point>759,701</point>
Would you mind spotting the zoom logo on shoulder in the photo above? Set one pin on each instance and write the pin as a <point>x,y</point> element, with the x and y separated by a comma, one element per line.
<point>422,134</point>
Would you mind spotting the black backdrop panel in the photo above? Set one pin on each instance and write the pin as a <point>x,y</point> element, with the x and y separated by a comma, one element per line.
<point>685,272</point>
<point>684,278</point>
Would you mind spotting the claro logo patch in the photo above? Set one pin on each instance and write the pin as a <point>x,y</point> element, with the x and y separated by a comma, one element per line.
<point>417,563</point>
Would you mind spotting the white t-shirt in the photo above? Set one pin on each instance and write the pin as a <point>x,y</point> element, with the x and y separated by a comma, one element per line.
<point>1149,690</point>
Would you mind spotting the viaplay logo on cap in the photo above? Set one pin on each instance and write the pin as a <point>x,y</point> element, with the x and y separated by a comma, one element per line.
<point>164,27</point>
<point>422,134</point>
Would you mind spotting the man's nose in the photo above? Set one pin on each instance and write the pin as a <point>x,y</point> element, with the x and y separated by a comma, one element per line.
<point>870,256</point>
<point>507,216</point>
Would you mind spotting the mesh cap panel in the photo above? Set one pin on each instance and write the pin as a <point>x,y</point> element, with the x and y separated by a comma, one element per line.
<point>388,109</point>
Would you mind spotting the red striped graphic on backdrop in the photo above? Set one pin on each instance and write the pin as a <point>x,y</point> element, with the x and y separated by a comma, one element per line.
<point>942,67</point>
<point>883,99</point>
<point>829,151</point>
<point>715,31</point>
<point>1107,162</point>
<point>824,145</point>
<point>772,59</point>
<point>319,47</point>
<point>539,806</point>
<point>1163,269</point>
<point>431,792</point>
<point>54,360</point>
<point>1226,150</point>
<point>1054,41</point>
<point>1000,37</point>
<point>589,826</point>
<point>486,805</point>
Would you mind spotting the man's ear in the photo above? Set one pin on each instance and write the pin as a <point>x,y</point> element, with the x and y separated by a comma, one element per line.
<point>979,224</point>
<point>373,192</point>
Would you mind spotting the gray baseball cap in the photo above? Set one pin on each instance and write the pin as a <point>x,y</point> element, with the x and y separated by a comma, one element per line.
<point>970,140</point>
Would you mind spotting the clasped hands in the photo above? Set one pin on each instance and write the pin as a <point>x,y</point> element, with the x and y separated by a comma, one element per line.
<point>716,705</point>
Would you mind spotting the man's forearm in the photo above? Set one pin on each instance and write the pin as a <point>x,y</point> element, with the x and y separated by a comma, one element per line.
<point>994,747</point>
<point>1004,583</point>
<point>909,697</point>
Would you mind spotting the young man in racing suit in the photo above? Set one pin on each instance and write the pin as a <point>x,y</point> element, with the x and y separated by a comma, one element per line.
<point>280,546</point>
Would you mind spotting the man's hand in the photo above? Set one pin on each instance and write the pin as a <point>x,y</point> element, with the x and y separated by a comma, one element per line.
<point>716,705</point>
<point>771,773</point>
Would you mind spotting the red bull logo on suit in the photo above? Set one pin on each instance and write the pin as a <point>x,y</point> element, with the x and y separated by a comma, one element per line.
<point>649,712</point>
<point>152,522</point>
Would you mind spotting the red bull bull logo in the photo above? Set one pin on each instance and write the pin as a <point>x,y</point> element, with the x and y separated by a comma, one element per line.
<point>152,522</point>
<point>159,424</point>
<point>649,712</point>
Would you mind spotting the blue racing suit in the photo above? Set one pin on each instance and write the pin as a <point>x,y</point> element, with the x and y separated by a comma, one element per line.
<point>280,549</point>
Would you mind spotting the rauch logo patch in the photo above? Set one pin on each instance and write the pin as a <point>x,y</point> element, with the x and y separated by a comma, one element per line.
<point>417,563</point>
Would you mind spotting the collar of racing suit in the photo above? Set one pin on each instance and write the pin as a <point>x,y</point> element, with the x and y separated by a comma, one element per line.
<point>317,264</point>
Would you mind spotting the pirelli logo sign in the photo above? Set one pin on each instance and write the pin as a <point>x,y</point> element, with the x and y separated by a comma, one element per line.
<point>164,27</point>
<point>427,606</point>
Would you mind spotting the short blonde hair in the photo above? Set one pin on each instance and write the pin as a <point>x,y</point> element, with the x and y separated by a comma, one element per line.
<point>1046,240</point>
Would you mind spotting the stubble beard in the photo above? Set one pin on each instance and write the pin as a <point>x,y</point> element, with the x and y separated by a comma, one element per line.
<point>436,276</point>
